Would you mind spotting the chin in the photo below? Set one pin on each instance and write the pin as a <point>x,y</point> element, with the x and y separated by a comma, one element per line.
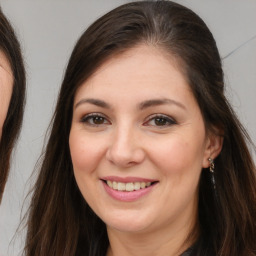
<point>129,224</point>
<point>127,228</point>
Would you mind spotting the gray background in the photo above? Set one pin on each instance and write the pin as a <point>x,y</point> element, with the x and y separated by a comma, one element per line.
<point>48,30</point>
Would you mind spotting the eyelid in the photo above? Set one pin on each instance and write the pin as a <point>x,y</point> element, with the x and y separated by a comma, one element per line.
<point>169,119</point>
<point>94,114</point>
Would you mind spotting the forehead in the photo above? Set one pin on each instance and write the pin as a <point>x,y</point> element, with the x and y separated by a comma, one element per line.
<point>143,66</point>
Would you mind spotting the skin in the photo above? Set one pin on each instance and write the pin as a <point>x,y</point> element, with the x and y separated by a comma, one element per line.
<point>128,141</point>
<point>6,86</point>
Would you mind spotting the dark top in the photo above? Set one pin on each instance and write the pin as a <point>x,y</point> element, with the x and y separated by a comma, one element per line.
<point>189,251</point>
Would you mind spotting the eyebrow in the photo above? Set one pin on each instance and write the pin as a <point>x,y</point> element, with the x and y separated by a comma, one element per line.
<point>141,106</point>
<point>96,102</point>
<point>157,102</point>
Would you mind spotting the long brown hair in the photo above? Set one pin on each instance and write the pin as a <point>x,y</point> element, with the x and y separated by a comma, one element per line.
<point>60,222</point>
<point>10,46</point>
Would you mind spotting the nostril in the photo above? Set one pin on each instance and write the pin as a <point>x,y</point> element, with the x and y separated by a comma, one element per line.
<point>124,157</point>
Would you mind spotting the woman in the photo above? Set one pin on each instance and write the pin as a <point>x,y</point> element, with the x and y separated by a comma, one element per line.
<point>145,155</point>
<point>12,95</point>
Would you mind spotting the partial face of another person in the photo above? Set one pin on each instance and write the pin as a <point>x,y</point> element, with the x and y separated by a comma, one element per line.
<point>138,143</point>
<point>6,86</point>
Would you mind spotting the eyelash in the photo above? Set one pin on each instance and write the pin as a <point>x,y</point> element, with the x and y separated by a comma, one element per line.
<point>92,117</point>
<point>165,121</point>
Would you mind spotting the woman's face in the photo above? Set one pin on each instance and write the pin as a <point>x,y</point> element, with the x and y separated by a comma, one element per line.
<point>6,85</point>
<point>138,143</point>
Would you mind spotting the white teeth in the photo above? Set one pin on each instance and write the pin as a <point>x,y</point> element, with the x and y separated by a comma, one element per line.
<point>130,186</point>
<point>114,185</point>
<point>120,186</point>
<point>137,185</point>
<point>142,185</point>
<point>110,183</point>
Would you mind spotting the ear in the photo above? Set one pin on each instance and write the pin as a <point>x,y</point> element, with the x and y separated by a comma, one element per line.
<point>213,146</point>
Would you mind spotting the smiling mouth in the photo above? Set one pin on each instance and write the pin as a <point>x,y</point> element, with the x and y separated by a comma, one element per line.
<point>129,186</point>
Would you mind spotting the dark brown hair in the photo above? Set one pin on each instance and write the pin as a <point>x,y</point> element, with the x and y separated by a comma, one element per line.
<point>60,222</point>
<point>10,46</point>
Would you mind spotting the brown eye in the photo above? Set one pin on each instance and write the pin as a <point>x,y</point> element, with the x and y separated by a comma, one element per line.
<point>98,120</point>
<point>160,121</point>
<point>94,120</point>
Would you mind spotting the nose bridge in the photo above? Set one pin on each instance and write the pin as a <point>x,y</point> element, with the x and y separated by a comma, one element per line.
<point>125,148</point>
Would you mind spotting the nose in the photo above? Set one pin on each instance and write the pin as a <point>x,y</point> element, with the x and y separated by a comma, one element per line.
<point>125,149</point>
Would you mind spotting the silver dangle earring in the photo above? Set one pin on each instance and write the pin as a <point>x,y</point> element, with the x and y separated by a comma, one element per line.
<point>212,172</point>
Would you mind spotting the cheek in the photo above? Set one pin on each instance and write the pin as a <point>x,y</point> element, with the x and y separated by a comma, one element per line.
<point>4,103</point>
<point>6,87</point>
<point>3,113</point>
<point>178,156</point>
<point>85,151</point>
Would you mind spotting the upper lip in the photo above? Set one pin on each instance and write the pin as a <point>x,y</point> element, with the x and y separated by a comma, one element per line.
<point>127,179</point>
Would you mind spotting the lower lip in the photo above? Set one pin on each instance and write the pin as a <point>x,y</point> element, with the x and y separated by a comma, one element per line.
<point>127,196</point>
